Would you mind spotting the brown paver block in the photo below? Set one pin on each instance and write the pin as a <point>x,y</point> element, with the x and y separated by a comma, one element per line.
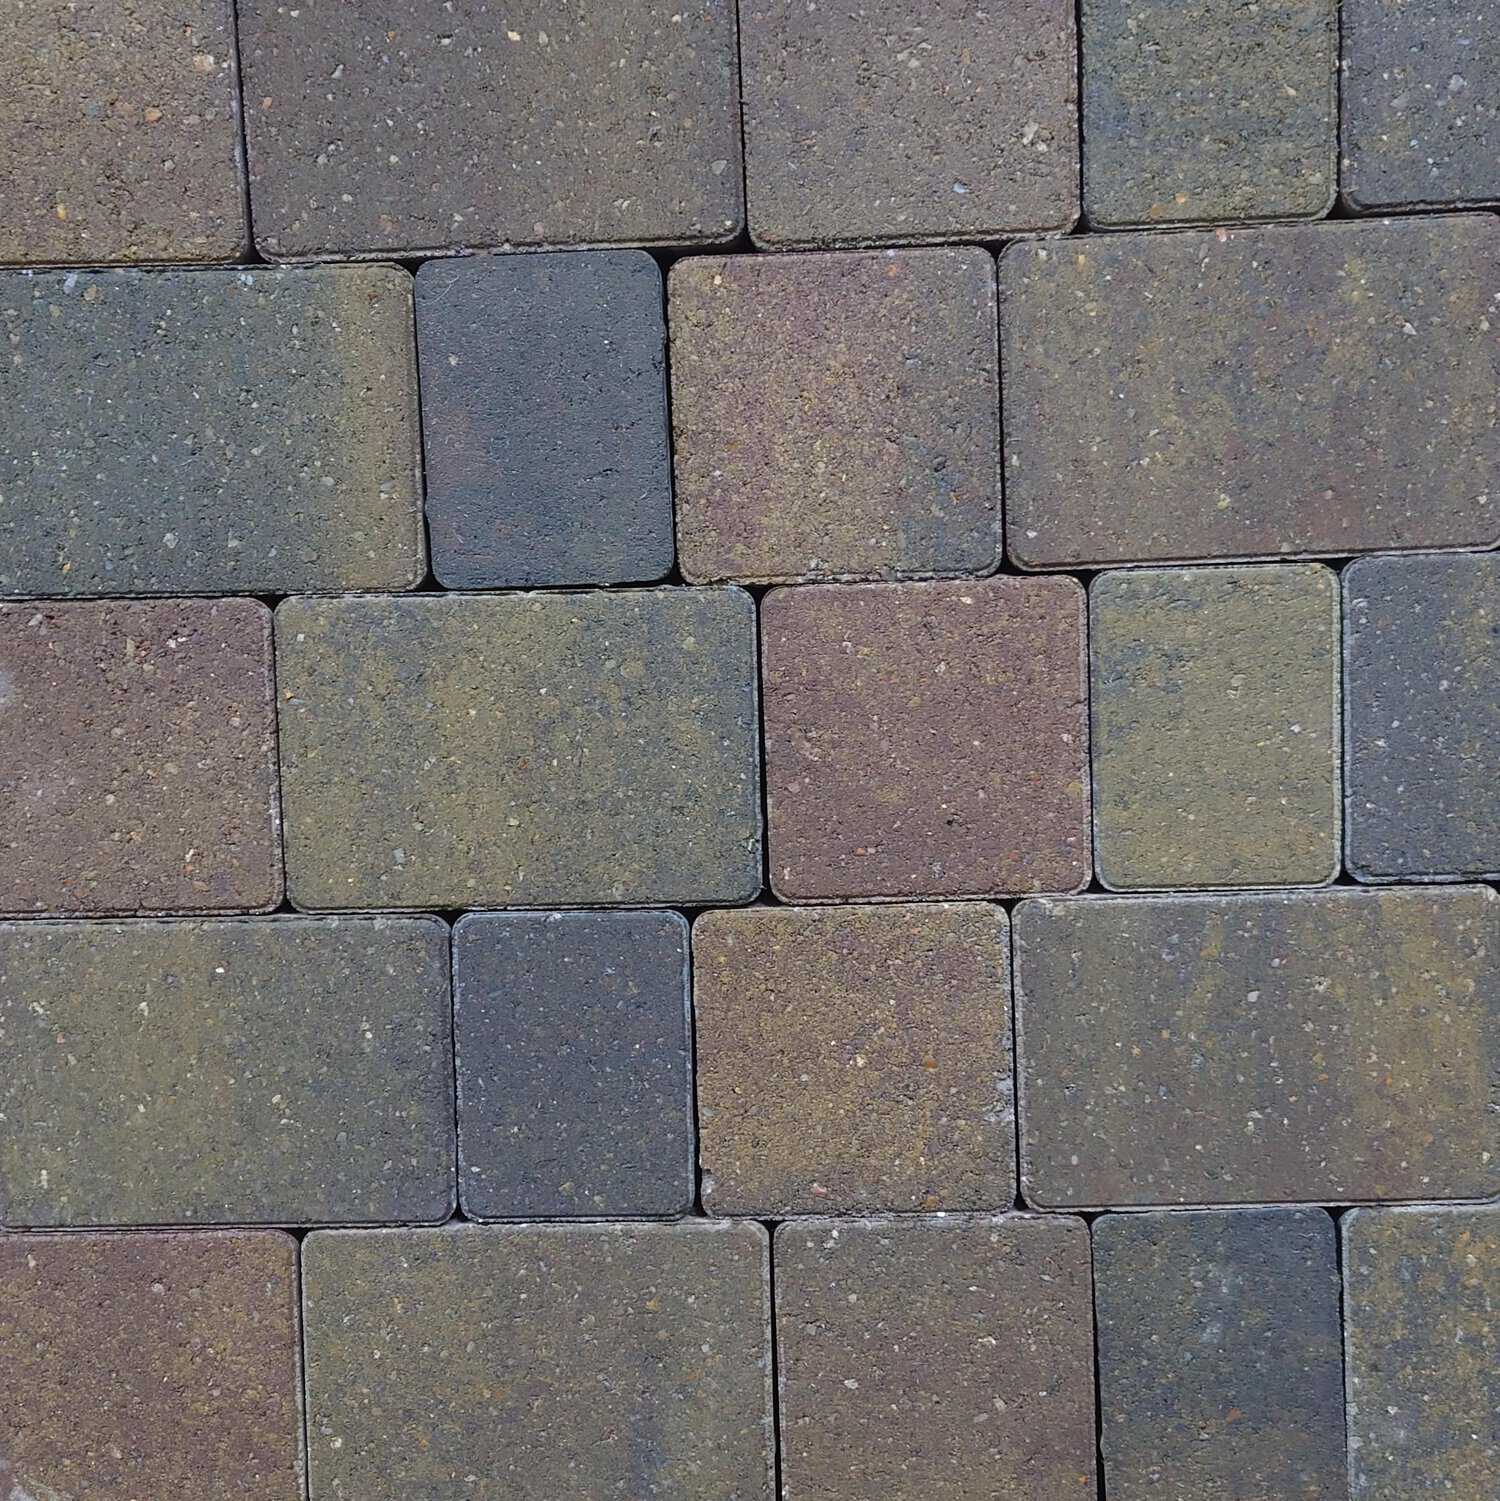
<point>836,415</point>
<point>1302,389</point>
<point>926,739</point>
<point>520,750</point>
<point>936,1356</point>
<point>1214,726</point>
<point>532,1362</point>
<point>150,1366</point>
<point>854,1059</point>
<point>1296,1047</point>
<point>138,757</point>
<point>280,1070</point>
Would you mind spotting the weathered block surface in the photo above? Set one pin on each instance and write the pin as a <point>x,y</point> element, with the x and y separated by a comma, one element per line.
<point>854,1059</point>
<point>1317,388</point>
<point>1220,1372</point>
<point>281,1070</point>
<point>385,129</point>
<point>575,1065</point>
<point>1214,702</point>
<point>1315,1047</point>
<point>889,122</point>
<point>520,750</point>
<point>926,739</point>
<point>836,415</point>
<point>236,431</point>
<point>150,1366</point>
<point>544,407</point>
<point>138,758</point>
<point>925,1357</point>
<point>540,1361</point>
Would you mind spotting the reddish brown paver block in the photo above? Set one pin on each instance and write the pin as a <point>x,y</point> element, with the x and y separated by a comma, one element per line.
<point>926,739</point>
<point>854,1059</point>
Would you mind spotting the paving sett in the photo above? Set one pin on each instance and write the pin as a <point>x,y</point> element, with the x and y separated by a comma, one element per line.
<point>535,1362</point>
<point>1316,1047</point>
<point>1301,389</point>
<point>854,1059</point>
<point>281,1070</point>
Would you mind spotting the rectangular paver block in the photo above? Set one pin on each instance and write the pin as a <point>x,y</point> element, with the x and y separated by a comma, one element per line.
<point>1302,389</point>
<point>532,1362</point>
<point>854,1059</point>
<point>280,1070</point>
<point>520,750</point>
<point>1305,1047</point>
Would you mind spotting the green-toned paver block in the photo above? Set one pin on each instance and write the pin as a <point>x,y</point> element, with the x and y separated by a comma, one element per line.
<point>1313,388</point>
<point>926,739</point>
<point>534,1362</point>
<point>150,1366</point>
<point>1299,1047</point>
<point>936,1356</point>
<point>854,1059</point>
<point>138,758</point>
<point>891,122</point>
<point>202,432</point>
<point>278,1070</point>
<point>836,415</point>
<point>1220,1372</point>
<point>1422,1350</point>
<point>1214,703</point>
<point>520,750</point>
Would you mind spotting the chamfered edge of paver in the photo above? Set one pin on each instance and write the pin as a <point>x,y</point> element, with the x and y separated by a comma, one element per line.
<point>774,240</point>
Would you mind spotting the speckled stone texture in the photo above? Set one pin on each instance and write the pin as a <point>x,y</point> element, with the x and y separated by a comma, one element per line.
<point>235,431</point>
<point>1422,1351</point>
<point>281,1070</point>
<point>382,127</point>
<point>854,1059</point>
<point>544,409</point>
<point>1311,1047</point>
<point>1315,388</point>
<point>521,750</point>
<point>533,1362</point>
<point>575,1065</point>
<point>1203,112</point>
<point>122,132</point>
<point>1220,1372</point>
<point>927,1357</point>
<point>836,415</point>
<point>926,739</point>
<point>886,122</point>
<point>1214,708</point>
<point>138,758</point>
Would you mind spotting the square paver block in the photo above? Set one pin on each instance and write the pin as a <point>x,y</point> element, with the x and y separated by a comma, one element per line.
<point>836,416</point>
<point>215,431</point>
<point>1214,705</point>
<point>138,757</point>
<point>1422,1350</point>
<point>537,1362</point>
<point>544,407</point>
<point>890,122</point>
<point>1296,389</point>
<point>926,739</point>
<point>1201,112</point>
<point>383,128</point>
<point>148,1366</point>
<point>1297,1047</point>
<point>277,1070</point>
<point>575,1065</point>
<point>1220,1369</point>
<point>520,750</point>
<point>121,120</point>
<point>933,1356</point>
<point>854,1059</point>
